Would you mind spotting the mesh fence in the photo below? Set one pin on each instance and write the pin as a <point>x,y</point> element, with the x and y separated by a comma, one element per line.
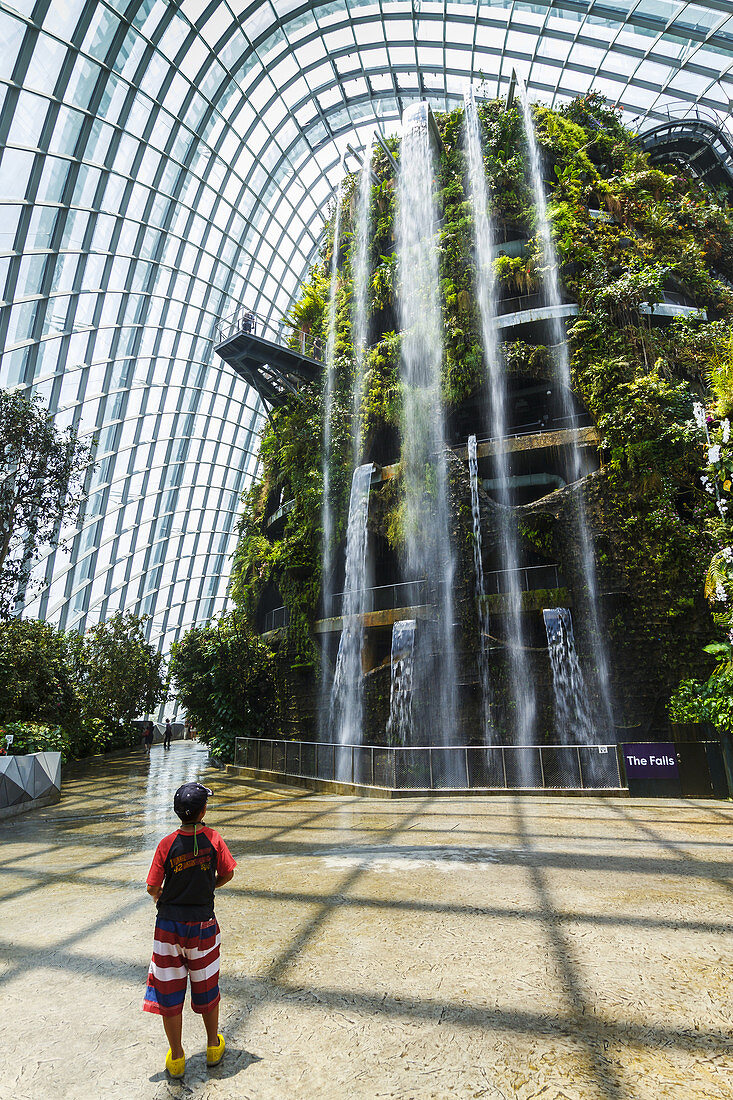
<point>549,767</point>
<point>599,766</point>
<point>486,768</point>
<point>448,768</point>
<point>523,766</point>
<point>560,767</point>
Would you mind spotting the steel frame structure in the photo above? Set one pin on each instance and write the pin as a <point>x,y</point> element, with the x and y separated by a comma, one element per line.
<point>165,160</point>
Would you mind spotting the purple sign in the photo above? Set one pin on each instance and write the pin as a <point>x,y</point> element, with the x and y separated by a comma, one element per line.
<point>655,760</point>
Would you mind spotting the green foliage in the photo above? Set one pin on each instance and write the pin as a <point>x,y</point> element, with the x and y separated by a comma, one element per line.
<point>41,486</point>
<point>87,737</point>
<point>381,384</point>
<point>36,677</point>
<point>647,429</point>
<point>720,372</point>
<point>518,273</point>
<point>309,312</point>
<point>527,360</point>
<point>50,681</point>
<point>35,737</point>
<point>704,701</point>
<point>119,674</point>
<point>224,676</point>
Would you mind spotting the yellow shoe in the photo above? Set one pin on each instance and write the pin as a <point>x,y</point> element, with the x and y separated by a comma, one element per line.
<point>214,1054</point>
<point>176,1066</point>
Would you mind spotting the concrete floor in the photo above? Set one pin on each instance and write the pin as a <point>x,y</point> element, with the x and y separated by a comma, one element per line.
<point>501,947</point>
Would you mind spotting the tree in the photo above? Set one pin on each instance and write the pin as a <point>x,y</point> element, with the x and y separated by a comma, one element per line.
<point>225,678</point>
<point>120,674</point>
<point>36,680</point>
<point>41,487</point>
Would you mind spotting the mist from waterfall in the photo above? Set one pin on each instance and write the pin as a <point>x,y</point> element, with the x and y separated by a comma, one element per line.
<point>483,611</point>
<point>577,466</point>
<point>402,663</point>
<point>573,721</point>
<point>428,550</point>
<point>521,680</point>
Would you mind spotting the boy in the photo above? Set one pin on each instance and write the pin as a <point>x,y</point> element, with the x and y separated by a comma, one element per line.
<point>187,867</point>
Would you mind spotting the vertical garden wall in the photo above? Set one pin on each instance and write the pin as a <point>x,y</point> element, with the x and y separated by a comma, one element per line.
<point>646,256</point>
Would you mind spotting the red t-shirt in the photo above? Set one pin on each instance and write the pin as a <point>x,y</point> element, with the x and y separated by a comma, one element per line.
<point>188,877</point>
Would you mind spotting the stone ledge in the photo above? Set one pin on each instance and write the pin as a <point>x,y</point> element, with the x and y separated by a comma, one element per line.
<point>388,617</point>
<point>51,799</point>
<point>332,786</point>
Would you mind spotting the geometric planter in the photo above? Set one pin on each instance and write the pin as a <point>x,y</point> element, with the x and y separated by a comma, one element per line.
<point>29,781</point>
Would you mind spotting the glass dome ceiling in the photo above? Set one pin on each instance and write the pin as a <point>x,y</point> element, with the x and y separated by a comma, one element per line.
<point>165,160</point>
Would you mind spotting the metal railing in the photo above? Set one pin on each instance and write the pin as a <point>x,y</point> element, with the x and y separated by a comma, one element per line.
<point>384,597</point>
<point>700,122</point>
<point>281,332</point>
<point>462,767</point>
<point>535,427</point>
<point>284,510</point>
<point>531,577</point>
<point>279,616</point>
<point>388,597</point>
<point>525,302</point>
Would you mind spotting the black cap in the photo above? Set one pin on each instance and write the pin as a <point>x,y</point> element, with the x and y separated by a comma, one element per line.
<point>190,799</point>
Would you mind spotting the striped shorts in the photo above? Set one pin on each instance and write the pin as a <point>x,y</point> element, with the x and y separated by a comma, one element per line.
<point>183,950</point>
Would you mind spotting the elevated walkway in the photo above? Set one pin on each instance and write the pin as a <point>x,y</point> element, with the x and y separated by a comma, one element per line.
<point>586,436</point>
<point>535,441</point>
<point>541,586</point>
<point>261,352</point>
<point>698,142</point>
<point>531,309</point>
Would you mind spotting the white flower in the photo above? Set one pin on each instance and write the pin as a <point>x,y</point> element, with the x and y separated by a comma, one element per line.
<point>710,489</point>
<point>727,553</point>
<point>704,479</point>
<point>726,430</point>
<point>714,454</point>
<point>720,593</point>
<point>698,412</point>
<point>722,507</point>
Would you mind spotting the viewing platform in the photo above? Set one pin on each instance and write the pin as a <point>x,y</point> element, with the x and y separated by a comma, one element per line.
<point>271,356</point>
<point>697,141</point>
<point>586,436</point>
<point>531,309</point>
<point>526,439</point>
<point>671,305</point>
<point>541,586</point>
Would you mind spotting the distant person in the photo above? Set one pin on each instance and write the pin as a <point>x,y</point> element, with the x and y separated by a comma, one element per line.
<point>148,737</point>
<point>168,734</point>
<point>248,324</point>
<point>188,866</point>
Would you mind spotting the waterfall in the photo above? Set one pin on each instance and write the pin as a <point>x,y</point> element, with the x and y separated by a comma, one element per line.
<point>360,317</point>
<point>428,549</point>
<point>572,717</point>
<point>399,726</point>
<point>347,693</point>
<point>346,710</point>
<point>328,406</point>
<point>483,612</point>
<point>327,505</point>
<point>508,535</point>
<point>577,466</point>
